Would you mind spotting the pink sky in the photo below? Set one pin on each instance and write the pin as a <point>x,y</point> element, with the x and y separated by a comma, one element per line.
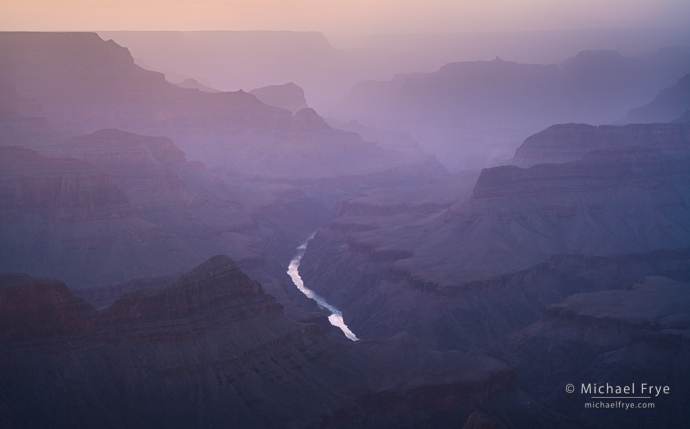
<point>341,17</point>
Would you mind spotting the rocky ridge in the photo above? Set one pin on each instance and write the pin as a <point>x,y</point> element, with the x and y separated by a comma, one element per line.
<point>212,349</point>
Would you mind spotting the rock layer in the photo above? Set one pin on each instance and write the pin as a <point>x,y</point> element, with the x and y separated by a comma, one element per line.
<point>211,349</point>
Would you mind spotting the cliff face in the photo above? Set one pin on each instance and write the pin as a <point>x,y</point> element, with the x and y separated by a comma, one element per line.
<point>668,105</point>
<point>64,217</point>
<point>570,142</point>
<point>33,308</point>
<point>37,183</point>
<point>212,349</point>
<point>145,168</point>
<point>395,260</point>
<point>608,203</point>
<point>638,335</point>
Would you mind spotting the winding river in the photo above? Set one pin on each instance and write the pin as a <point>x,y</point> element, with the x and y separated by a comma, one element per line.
<point>336,317</point>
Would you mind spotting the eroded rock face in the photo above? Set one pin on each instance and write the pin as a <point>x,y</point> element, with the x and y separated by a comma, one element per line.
<point>32,308</point>
<point>471,273</point>
<point>636,335</point>
<point>32,182</point>
<point>608,203</point>
<point>570,142</point>
<point>64,217</point>
<point>145,168</point>
<point>211,349</point>
<point>214,283</point>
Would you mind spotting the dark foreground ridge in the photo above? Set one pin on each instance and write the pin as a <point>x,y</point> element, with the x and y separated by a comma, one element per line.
<point>212,349</point>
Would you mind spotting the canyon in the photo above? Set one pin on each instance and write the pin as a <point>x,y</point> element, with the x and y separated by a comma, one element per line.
<point>160,243</point>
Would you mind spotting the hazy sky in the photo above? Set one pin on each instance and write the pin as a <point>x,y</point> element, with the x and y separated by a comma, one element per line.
<point>341,17</point>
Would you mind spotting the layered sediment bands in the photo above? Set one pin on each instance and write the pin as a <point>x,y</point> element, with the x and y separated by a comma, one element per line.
<point>636,335</point>
<point>32,308</point>
<point>145,168</point>
<point>480,269</point>
<point>31,182</point>
<point>379,300</point>
<point>214,283</point>
<point>65,218</point>
<point>570,142</point>
<point>211,349</point>
<point>609,203</point>
<point>103,296</point>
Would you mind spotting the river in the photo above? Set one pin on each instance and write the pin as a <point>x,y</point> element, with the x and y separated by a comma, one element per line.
<point>336,317</point>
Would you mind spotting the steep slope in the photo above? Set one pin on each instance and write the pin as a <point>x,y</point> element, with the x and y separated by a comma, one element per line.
<point>607,203</point>
<point>623,337</point>
<point>668,105</point>
<point>211,349</point>
<point>570,142</point>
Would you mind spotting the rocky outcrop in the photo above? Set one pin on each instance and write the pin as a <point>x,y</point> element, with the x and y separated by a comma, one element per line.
<point>668,105</point>
<point>211,349</point>
<point>635,335</point>
<point>215,283</point>
<point>288,96</point>
<point>570,142</point>
<point>32,308</point>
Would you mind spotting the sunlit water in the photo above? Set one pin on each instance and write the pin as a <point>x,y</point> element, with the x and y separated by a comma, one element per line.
<point>336,317</point>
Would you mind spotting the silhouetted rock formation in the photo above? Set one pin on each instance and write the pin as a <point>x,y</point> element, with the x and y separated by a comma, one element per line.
<point>289,96</point>
<point>32,308</point>
<point>232,130</point>
<point>103,296</point>
<point>212,349</point>
<point>472,114</point>
<point>193,84</point>
<point>668,105</point>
